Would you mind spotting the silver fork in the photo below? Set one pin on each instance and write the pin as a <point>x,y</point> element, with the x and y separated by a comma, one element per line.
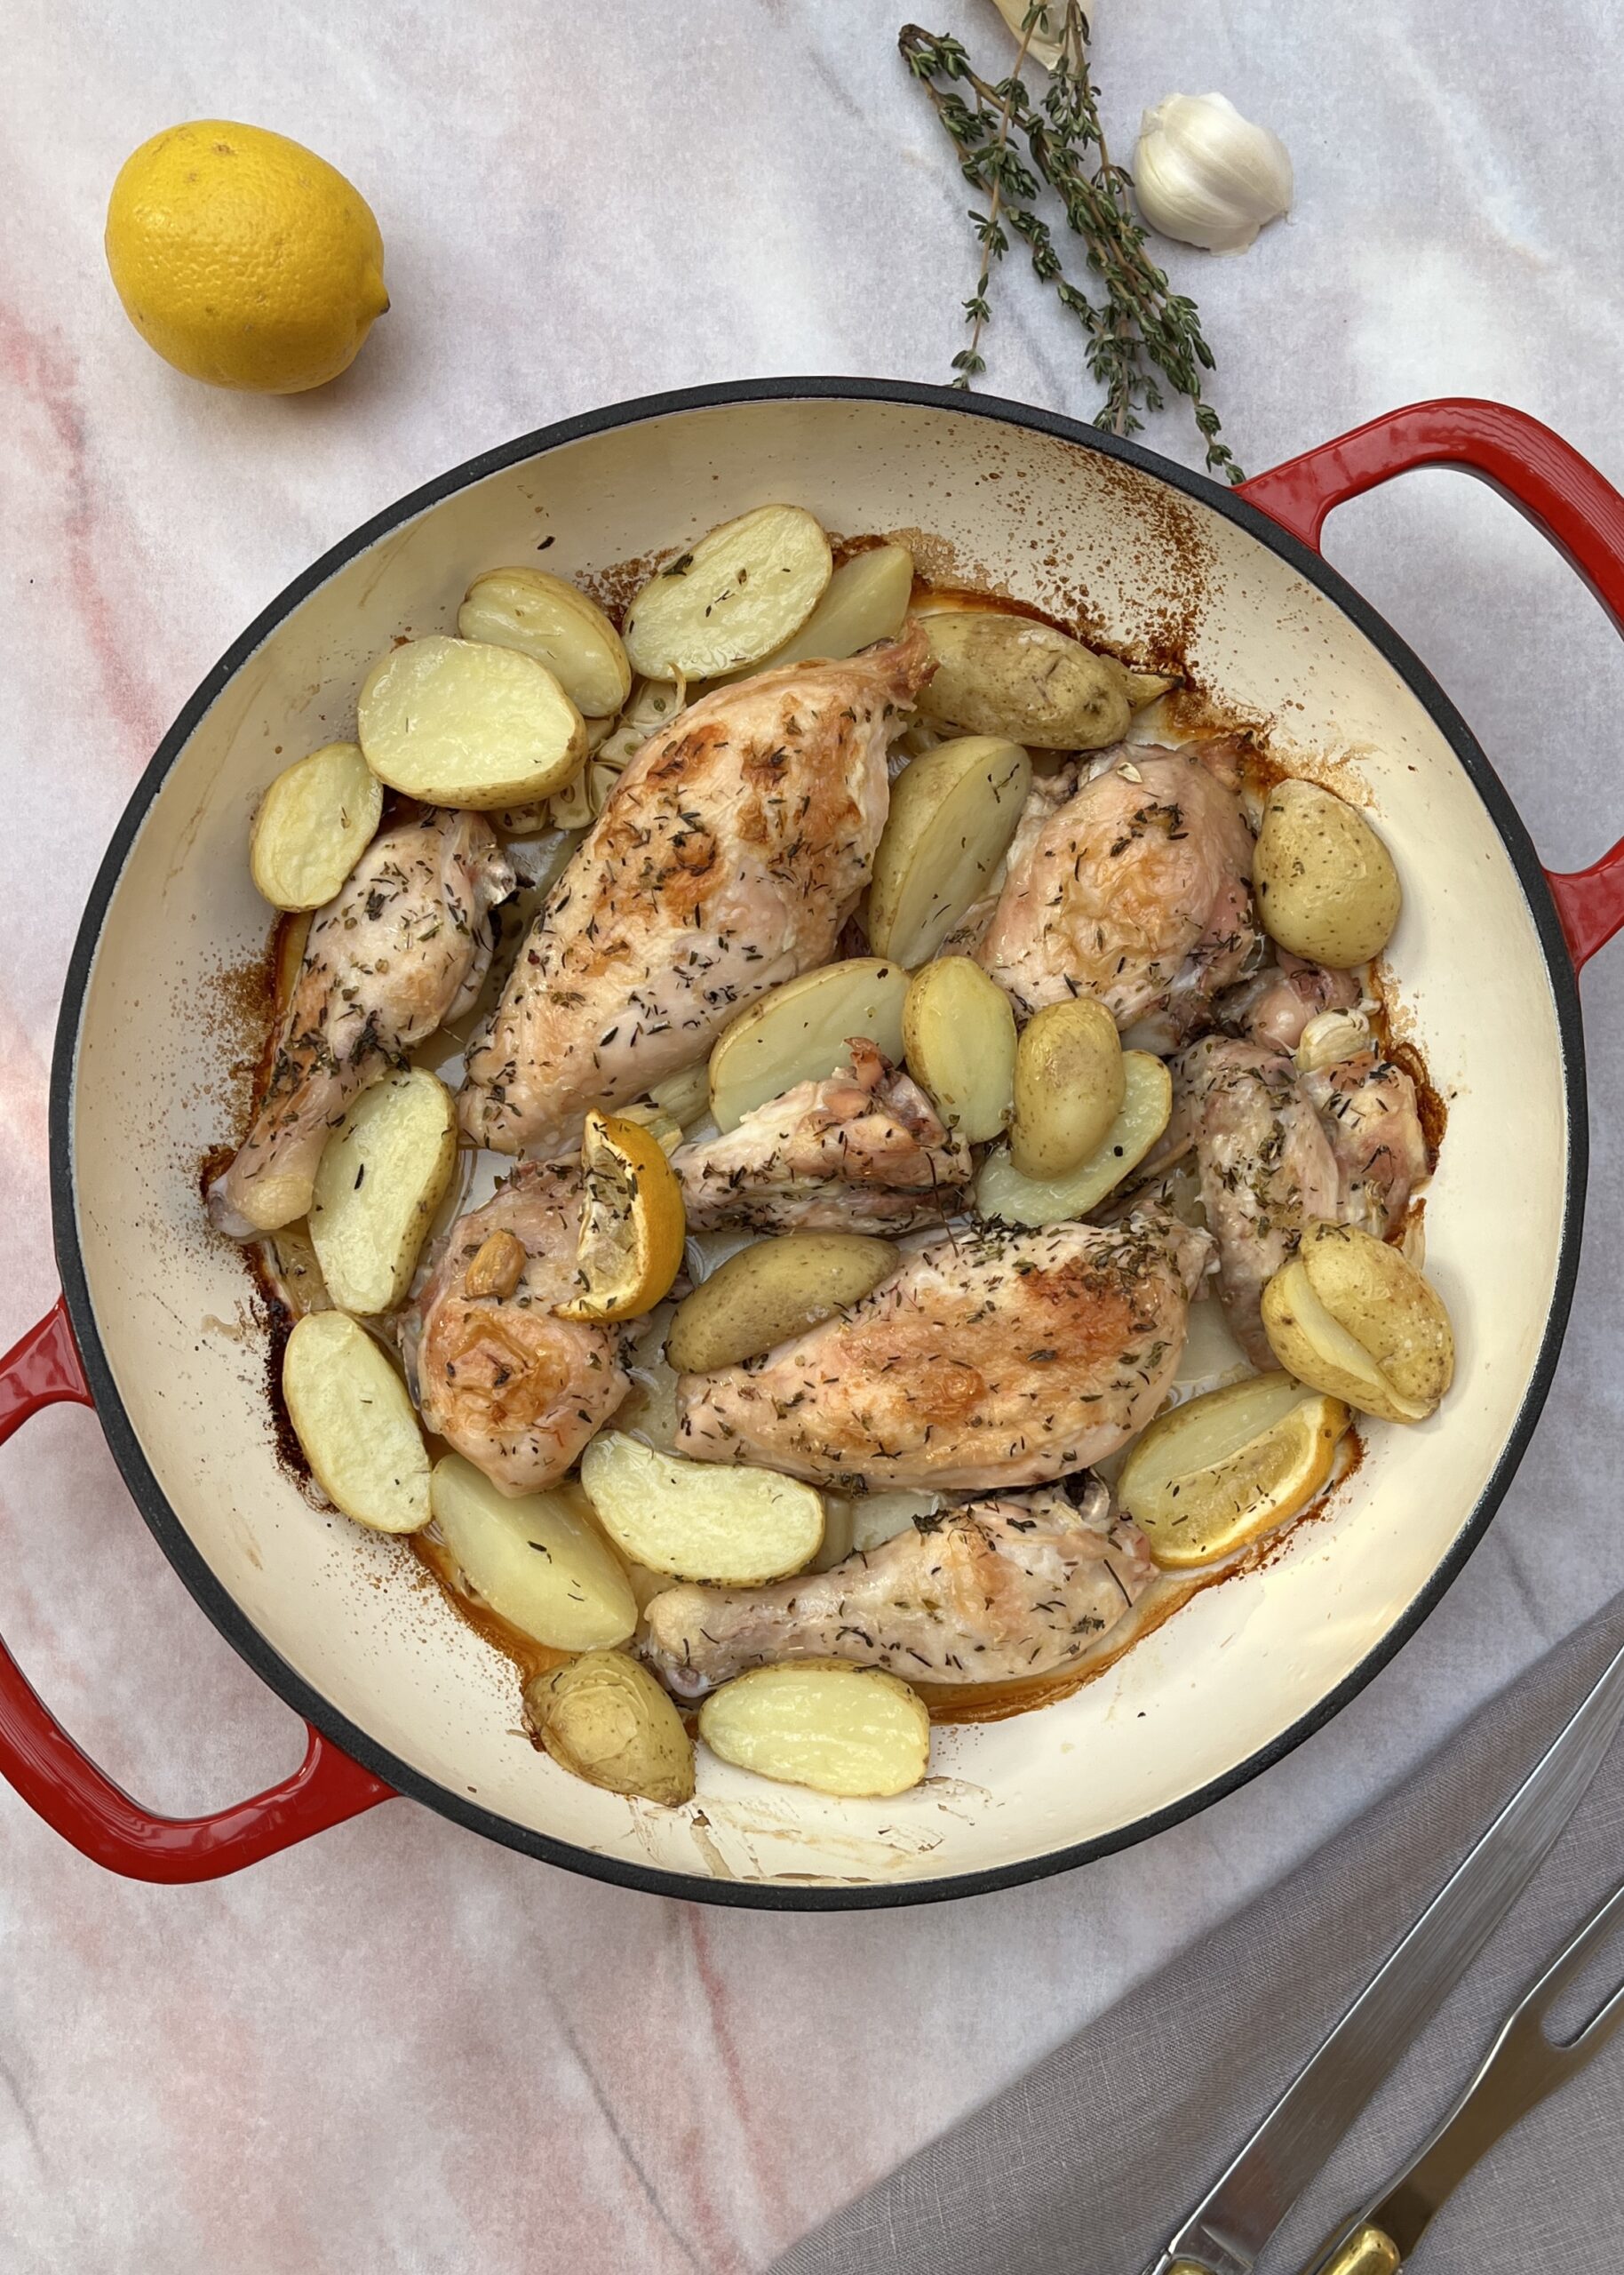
<point>1522,2066</point>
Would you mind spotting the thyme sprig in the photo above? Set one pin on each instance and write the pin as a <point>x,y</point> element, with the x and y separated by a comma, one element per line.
<point>1140,336</point>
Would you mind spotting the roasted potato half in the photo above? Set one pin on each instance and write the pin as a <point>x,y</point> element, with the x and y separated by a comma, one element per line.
<point>1147,1104</point>
<point>1011,675</point>
<point>383,1171</point>
<point>543,617</point>
<point>853,1731</point>
<point>743,591</point>
<point>1326,885</point>
<point>355,1422</point>
<point>800,1032</point>
<point>1069,1088</point>
<point>1354,1318</point>
<point>771,1290</point>
<point>953,812</point>
<point>959,1037</point>
<point>605,1719</point>
<point>866,600</point>
<point>1219,1471</point>
<point>696,1521</point>
<point>464,723</point>
<point>539,1561</point>
<point>313,824</point>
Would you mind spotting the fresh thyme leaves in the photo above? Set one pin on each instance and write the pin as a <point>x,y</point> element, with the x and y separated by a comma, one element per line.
<point>1142,339</point>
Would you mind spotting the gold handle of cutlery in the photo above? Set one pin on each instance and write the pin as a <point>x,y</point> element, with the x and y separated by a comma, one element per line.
<point>1366,2252</point>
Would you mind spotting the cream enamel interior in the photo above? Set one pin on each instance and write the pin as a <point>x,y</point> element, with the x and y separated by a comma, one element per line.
<point>1061,526</point>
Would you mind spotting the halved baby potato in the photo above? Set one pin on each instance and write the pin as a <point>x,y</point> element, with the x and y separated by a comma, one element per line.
<point>1011,675</point>
<point>1147,1105</point>
<point>464,723</point>
<point>772,1290</point>
<point>698,1521</point>
<point>313,824</point>
<point>1219,1471</point>
<point>544,618</point>
<point>355,1424</point>
<point>852,1731</point>
<point>742,592</point>
<point>539,1561</point>
<point>799,1032</point>
<point>866,600</point>
<point>959,1037</point>
<point>633,1223</point>
<point>383,1173</point>
<point>1069,1088</point>
<point>1354,1318</point>
<point>953,811</point>
<point>1326,885</point>
<point>605,1719</point>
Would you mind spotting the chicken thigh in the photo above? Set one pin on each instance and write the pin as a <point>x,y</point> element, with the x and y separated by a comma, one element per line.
<point>990,1359</point>
<point>732,850</point>
<point>1367,1107</point>
<point>401,948</point>
<point>1132,884</point>
<point>1275,1005</point>
<point>1020,1585</point>
<point>517,1391</point>
<point>863,1148</point>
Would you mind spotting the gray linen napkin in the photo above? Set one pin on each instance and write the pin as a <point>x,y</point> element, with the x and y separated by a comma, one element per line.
<point>1084,2166</point>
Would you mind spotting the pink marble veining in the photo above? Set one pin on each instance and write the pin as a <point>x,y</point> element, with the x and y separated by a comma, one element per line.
<point>400,2048</point>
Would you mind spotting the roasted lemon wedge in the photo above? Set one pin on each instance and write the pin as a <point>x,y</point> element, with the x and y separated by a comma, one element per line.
<point>1216,1473</point>
<point>632,1224</point>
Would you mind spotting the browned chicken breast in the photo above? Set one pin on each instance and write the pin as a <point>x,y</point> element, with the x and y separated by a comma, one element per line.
<point>514,1389</point>
<point>1130,884</point>
<point>1276,1148</point>
<point>733,849</point>
<point>992,1359</point>
<point>866,1147</point>
<point>1020,1585</point>
<point>401,948</point>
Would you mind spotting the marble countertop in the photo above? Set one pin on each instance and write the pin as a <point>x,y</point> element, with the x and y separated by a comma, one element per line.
<point>398,2047</point>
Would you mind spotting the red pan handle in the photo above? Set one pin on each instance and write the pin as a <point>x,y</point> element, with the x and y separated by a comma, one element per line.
<point>1561,494</point>
<point>65,1786</point>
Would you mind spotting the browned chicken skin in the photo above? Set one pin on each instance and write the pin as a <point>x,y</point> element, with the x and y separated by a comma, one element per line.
<point>1130,884</point>
<point>1275,1005</point>
<point>401,949</point>
<point>863,1148</point>
<point>990,1360</point>
<point>515,1390</point>
<point>1020,1585</point>
<point>733,849</point>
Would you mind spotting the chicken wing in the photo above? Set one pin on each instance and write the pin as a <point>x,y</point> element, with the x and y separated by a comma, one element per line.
<point>731,852</point>
<point>1020,1585</point>
<point>1132,884</point>
<point>1266,1168</point>
<point>863,1148</point>
<point>990,1359</point>
<point>514,1389</point>
<point>401,948</point>
<point>1276,1148</point>
<point>1275,1005</point>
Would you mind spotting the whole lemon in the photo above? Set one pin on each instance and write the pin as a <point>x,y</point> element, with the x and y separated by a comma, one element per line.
<point>244,259</point>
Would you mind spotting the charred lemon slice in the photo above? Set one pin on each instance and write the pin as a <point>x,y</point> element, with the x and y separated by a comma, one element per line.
<point>1216,1473</point>
<point>632,1224</point>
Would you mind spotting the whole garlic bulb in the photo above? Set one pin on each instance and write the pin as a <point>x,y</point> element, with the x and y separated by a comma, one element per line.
<point>1204,174</point>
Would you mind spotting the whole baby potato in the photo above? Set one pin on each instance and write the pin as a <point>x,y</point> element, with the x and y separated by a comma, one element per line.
<point>605,1719</point>
<point>1011,675</point>
<point>1325,886</point>
<point>1068,1087</point>
<point>771,1290</point>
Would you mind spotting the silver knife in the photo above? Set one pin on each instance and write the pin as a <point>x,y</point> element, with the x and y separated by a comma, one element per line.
<point>1236,2217</point>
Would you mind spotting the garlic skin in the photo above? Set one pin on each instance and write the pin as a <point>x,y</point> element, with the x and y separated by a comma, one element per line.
<point>1207,176</point>
<point>1043,47</point>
